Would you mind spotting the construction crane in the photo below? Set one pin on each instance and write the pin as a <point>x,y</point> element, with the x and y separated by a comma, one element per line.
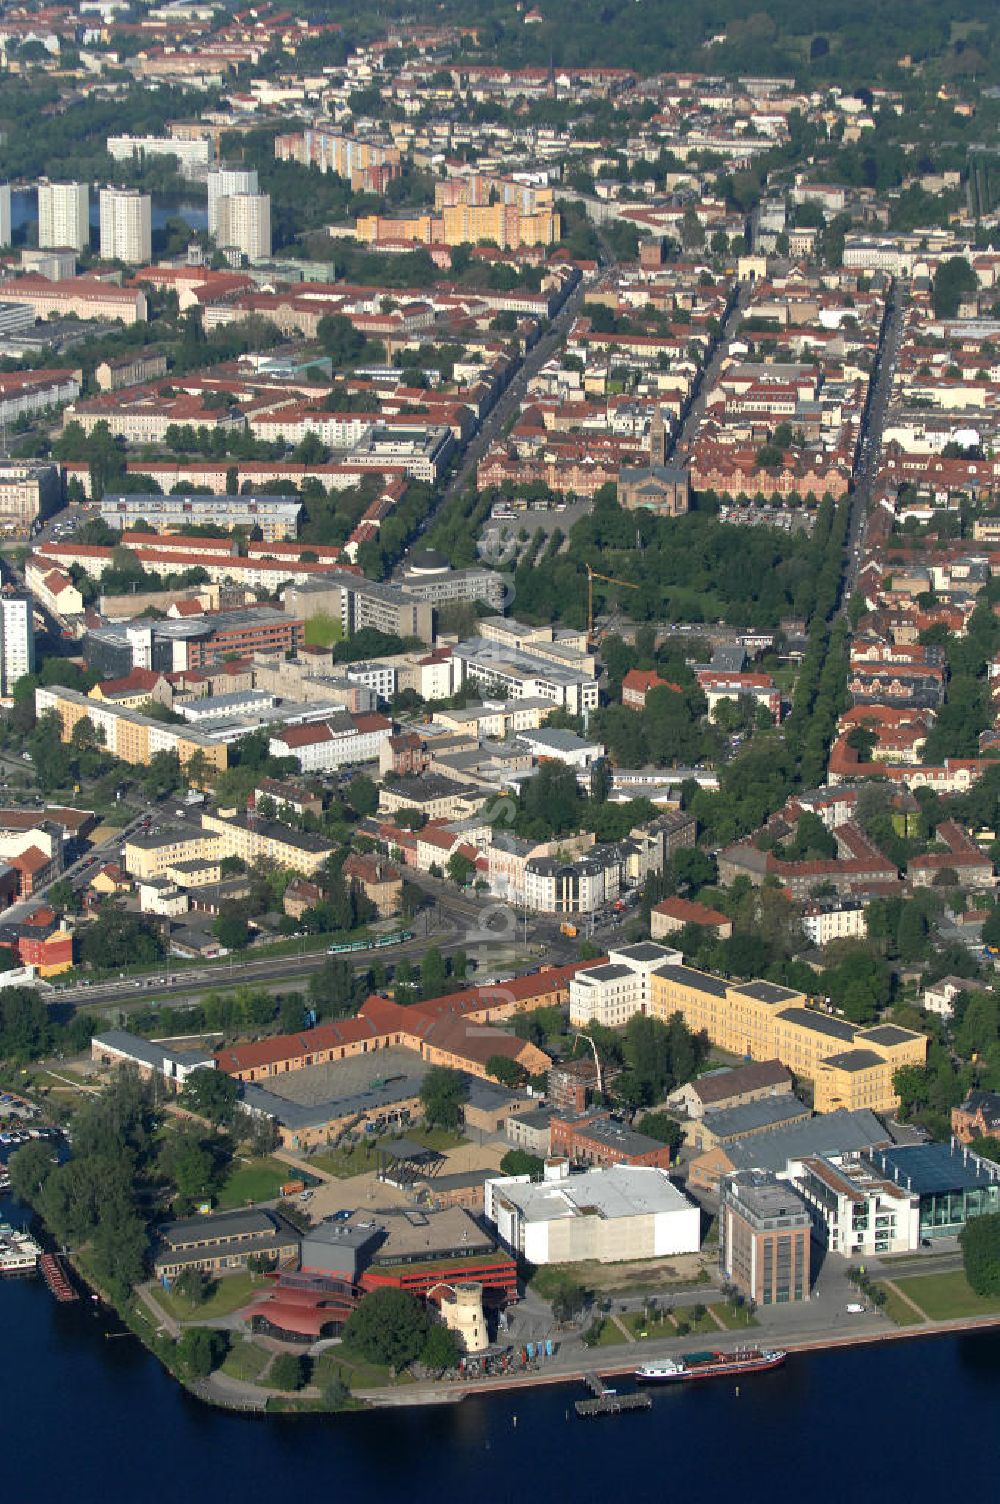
<point>608,579</point>
<point>597,1059</point>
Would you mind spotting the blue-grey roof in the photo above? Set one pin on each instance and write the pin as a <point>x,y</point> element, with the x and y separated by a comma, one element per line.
<point>752,1117</point>
<point>927,1169</point>
<point>840,1132</point>
<point>690,978</point>
<point>821,1023</point>
<point>146,1052</point>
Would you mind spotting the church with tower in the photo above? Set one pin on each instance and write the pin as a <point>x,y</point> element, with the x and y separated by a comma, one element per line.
<point>659,487</point>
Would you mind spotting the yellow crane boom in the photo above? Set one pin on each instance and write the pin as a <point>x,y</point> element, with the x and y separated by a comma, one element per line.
<point>608,579</point>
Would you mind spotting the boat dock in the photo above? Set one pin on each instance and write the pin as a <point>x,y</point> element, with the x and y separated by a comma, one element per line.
<point>607,1401</point>
<point>56,1278</point>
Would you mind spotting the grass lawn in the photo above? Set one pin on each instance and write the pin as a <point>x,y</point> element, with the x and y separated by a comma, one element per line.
<point>734,1321</point>
<point>353,1371</point>
<point>897,1310</point>
<point>354,1159</point>
<point>611,1335</point>
<point>230,1293</point>
<point>254,1180</point>
<point>246,1361</point>
<point>549,1279</point>
<point>944,1296</point>
<point>643,1330</point>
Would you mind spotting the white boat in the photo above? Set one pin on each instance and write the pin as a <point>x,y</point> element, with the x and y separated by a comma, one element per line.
<point>19,1253</point>
<point>710,1365</point>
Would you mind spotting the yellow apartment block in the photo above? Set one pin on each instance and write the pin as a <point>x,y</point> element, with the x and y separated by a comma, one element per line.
<point>465,224</point>
<point>128,735</point>
<point>252,839</point>
<point>158,855</point>
<point>849,1067</point>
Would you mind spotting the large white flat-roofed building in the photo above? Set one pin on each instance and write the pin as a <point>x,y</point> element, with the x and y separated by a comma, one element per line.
<point>611,994</point>
<point>517,676</point>
<point>609,1215</point>
<point>193,157</point>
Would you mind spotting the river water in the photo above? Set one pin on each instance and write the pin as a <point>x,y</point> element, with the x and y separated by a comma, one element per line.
<point>90,1416</point>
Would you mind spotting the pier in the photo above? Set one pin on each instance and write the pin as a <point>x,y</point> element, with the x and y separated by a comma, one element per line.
<point>607,1401</point>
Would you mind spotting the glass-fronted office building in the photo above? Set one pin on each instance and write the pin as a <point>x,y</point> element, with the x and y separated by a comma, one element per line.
<point>953,1183</point>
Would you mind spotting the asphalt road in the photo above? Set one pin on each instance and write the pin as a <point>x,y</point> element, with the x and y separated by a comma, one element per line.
<point>680,448</point>
<point>870,445</point>
<point>509,404</point>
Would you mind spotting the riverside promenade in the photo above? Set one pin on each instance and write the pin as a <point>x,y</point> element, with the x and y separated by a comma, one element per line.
<point>563,1369</point>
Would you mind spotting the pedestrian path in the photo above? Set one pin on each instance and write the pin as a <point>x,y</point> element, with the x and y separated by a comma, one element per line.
<point>157,1312</point>
<point>619,1323</point>
<point>906,1299</point>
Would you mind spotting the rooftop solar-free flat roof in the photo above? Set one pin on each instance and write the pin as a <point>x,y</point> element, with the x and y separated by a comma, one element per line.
<point>929,1169</point>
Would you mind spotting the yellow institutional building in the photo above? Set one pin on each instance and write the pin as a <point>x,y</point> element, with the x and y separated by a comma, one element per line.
<point>849,1067</point>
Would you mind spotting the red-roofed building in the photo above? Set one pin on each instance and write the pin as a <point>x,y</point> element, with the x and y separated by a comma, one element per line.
<point>673,914</point>
<point>719,685</point>
<point>637,684</point>
<point>344,739</point>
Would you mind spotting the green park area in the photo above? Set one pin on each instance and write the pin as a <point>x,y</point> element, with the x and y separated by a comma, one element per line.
<point>224,1296</point>
<point>253,1180</point>
<point>897,1309</point>
<point>735,1318</point>
<point>946,1297</point>
<point>246,1361</point>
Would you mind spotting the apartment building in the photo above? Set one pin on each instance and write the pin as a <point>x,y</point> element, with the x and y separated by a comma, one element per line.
<point>368,165</point>
<point>64,216</point>
<point>253,839</point>
<point>148,856</point>
<point>823,922</point>
<point>850,1067</point>
<point>126,226</point>
<point>127,734</point>
<point>193,155</point>
<point>29,491</point>
<point>276,516</point>
<point>339,741</point>
<point>857,1209</point>
<point>17,638</point>
<point>613,992</point>
<point>244,224</point>
<point>465,224</point>
<point>673,914</point>
<point>227,182</point>
<point>130,370</point>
